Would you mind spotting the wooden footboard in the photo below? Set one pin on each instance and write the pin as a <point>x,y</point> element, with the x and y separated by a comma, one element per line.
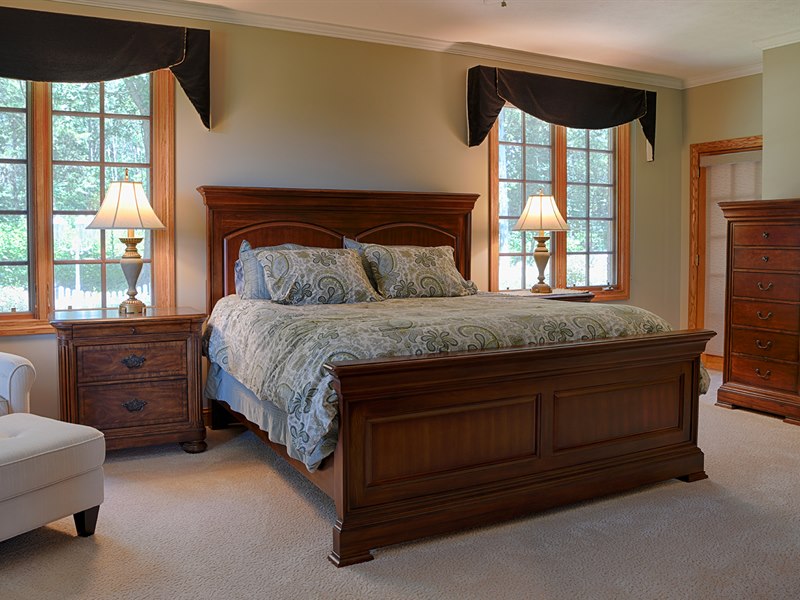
<point>438,443</point>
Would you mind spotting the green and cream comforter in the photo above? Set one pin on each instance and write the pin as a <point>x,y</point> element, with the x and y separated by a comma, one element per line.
<point>277,351</point>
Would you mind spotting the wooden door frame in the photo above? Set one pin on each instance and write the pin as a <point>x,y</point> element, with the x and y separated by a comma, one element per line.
<point>697,216</point>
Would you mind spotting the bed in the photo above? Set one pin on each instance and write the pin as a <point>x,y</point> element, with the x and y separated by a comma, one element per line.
<point>537,426</point>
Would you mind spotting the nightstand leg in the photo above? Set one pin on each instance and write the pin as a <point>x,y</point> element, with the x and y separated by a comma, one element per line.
<point>194,447</point>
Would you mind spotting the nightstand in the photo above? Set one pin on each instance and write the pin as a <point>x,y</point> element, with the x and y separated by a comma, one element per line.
<point>136,377</point>
<point>567,295</point>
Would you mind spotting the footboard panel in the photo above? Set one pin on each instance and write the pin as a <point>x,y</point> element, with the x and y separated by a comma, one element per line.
<point>437,443</point>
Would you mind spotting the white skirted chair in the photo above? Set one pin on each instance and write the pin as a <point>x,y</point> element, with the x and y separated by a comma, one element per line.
<point>48,469</point>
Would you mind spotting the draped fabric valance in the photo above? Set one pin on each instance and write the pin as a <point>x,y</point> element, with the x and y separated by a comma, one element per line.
<point>43,46</point>
<point>566,102</point>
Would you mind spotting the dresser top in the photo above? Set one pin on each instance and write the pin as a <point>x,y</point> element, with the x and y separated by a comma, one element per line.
<point>112,315</point>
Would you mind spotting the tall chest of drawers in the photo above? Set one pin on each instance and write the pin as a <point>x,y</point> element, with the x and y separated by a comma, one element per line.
<point>137,378</point>
<point>762,308</point>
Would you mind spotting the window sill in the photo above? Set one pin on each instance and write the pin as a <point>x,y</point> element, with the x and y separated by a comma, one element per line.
<point>10,327</point>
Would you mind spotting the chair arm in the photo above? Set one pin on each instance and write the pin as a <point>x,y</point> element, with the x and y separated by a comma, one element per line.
<point>16,378</point>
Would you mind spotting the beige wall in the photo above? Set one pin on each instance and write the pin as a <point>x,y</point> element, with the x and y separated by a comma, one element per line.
<point>294,110</point>
<point>781,122</point>
<point>714,112</point>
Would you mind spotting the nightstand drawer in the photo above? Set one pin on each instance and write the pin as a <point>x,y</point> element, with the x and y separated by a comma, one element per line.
<point>764,373</point>
<point>766,234</point>
<point>769,286</point>
<point>767,315</point>
<point>767,259</point>
<point>768,344</point>
<point>131,361</point>
<point>133,404</point>
<point>132,327</point>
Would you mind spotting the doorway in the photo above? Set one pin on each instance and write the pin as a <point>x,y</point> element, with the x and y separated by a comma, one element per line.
<point>722,170</point>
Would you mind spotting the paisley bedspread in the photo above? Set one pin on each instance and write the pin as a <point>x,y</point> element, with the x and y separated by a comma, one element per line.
<point>277,351</point>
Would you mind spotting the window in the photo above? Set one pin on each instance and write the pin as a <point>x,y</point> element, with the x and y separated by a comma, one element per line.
<point>588,173</point>
<point>61,144</point>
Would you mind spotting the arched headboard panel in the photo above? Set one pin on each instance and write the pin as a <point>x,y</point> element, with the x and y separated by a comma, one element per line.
<point>270,216</point>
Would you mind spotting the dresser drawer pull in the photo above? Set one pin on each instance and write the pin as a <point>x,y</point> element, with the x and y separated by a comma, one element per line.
<point>764,346</point>
<point>764,288</point>
<point>765,258</point>
<point>765,375</point>
<point>134,362</point>
<point>137,405</point>
<point>765,234</point>
<point>764,317</point>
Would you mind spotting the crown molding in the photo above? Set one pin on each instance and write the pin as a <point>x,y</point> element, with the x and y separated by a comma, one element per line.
<point>718,76</point>
<point>775,41</point>
<point>205,12</point>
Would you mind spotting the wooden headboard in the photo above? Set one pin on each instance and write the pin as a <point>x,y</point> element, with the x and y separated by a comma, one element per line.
<point>322,218</point>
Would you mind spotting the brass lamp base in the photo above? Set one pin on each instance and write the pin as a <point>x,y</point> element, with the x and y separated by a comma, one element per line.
<point>541,288</point>
<point>131,263</point>
<point>540,256</point>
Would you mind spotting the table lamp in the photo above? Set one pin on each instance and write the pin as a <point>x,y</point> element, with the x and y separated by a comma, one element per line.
<point>541,214</point>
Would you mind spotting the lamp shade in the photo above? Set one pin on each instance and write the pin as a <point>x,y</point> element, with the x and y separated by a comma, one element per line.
<point>125,207</point>
<point>541,214</point>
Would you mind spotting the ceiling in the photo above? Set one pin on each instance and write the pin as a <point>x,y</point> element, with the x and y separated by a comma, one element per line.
<point>682,42</point>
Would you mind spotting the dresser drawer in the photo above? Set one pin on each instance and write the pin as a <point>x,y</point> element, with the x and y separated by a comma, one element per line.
<point>764,373</point>
<point>140,327</point>
<point>767,286</point>
<point>131,361</point>
<point>768,344</point>
<point>766,234</point>
<point>767,315</point>
<point>133,404</point>
<point>767,259</point>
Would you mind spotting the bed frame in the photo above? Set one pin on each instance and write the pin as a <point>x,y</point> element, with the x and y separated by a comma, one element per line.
<point>440,443</point>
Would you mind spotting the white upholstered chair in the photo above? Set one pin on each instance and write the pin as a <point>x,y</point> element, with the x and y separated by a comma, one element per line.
<point>48,469</point>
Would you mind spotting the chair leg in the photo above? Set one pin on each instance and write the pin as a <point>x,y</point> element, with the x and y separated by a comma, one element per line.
<point>86,520</point>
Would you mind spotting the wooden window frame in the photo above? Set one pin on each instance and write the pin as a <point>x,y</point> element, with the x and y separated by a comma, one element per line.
<point>620,291</point>
<point>36,321</point>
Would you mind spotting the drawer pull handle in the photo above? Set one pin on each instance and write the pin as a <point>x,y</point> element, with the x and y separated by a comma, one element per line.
<point>764,346</point>
<point>133,361</point>
<point>765,375</point>
<point>133,330</point>
<point>765,234</point>
<point>764,317</point>
<point>765,258</point>
<point>134,405</point>
<point>766,288</point>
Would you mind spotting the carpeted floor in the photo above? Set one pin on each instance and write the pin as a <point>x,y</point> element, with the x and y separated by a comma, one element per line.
<point>236,522</point>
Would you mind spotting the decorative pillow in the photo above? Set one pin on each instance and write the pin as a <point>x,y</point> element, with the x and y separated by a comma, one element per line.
<point>416,272</point>
<point>316,276</point>
<point>248,275</point>
<point>359,247</point>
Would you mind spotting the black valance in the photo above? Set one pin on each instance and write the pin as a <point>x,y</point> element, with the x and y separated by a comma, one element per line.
<point>567,102</point>
<point>43,46</point>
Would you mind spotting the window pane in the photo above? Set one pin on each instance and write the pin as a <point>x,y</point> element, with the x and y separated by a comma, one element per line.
<point>510,241</point>
<point>510,273</point>
<point>14,230</point>
<point>76,138</point>
<point>600,201</point>
<point>576,165</point>
<point>510,159</point>
<point>13,135</point>
<point>600,139</point>
<point>576,236</point>
<point>576,270</point>
<point>71,239</point>
<point>127,141</point>
<point>76,97</point>
<point>537,163</point>
<point>128,96</point>
<point>576,138</point>
<point>13,93</point>
<point>510,199</point>
<point>601,236</point>
<point>141,175</point>
<point>535,187</point>
<point>600,166</point>
<point>576,201</point>
<point>76,188</point>
<point>601,269</point>
<point>14,288</point>
<point>536,131</point>
<point>13,186</point>
<point>78,286</point>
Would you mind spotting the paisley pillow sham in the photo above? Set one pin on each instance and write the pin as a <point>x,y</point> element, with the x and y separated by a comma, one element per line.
<point>416,272</point>
<point>248,275</point>
<point>316,276</point>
